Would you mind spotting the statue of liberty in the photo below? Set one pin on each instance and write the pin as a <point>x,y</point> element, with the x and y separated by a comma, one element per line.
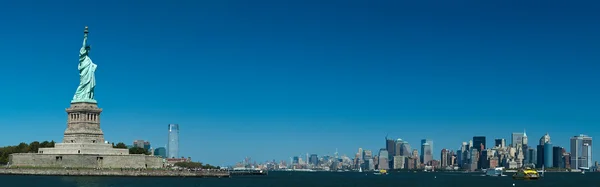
<point>87,80</point>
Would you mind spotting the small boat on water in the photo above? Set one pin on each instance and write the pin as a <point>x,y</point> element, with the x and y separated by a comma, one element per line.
<point>381,172</point>
<point>526,174</point>
<point>495,172</point>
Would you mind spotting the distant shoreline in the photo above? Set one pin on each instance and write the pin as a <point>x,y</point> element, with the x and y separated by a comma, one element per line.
<point>114,172</point>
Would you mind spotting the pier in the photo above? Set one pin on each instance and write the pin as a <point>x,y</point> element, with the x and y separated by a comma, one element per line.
<point>114,172</point>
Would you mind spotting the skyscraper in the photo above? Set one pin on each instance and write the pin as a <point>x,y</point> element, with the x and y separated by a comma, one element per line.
<point>405,149</point>
<point>557,155</point>
<point>581,151</point>
<point>426,151</point>
<point>173,145</point>
<point>383,159</point>
<point>398,147</point>
<point>500,142</point>
<point>517,139</point>
<point>444,158</point>
<point>540,156</point>
<point>547,156</point>
<point>532,155</point>
<point>479,144</point>
<point>390,146</point>
<point>314,160</point>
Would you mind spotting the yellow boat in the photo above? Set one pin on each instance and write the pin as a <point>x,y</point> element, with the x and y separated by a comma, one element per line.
<point>526,174</point>
<point>381,172</point>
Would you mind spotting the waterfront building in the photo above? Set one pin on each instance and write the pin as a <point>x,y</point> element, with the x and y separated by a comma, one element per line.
<point>173,144</point>
<point>548,161</point>
<point>383,162</point>
<point>399,162</point>
<point>493,162</point>
<point>581,151</point>
<point>462,155</point>
<point>426,151</point>
<point>474,158</point>
<point>479,143</point>
<point>540,156</point>
<point>567,160</point>
<point>557,157</point>
<point>160,152</point>
<point>410,163</point>
<point>532,155</point>
<point>444,158</point>
<point>314,160</point>
<point>370,164</point>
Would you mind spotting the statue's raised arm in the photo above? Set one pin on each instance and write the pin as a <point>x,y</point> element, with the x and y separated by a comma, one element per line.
<point>85,36</point>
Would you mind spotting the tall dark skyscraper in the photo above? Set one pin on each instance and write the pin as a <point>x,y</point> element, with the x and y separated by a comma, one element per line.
<point>540,156</point>
<point>499,142</point>
<point>557,157</point>
<point>313,159</point>
<point>479,144</point>
<point>390,146</point>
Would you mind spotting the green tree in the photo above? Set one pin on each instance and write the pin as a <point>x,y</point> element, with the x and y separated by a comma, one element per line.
<point>138,150</point>
<point>22,148</point>
<point>34,146</point>
<point>121,145</point>
<point>45,144</point>
<point>191,165</point>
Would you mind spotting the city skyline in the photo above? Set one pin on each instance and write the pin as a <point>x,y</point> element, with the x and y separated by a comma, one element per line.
<point>490,143</point>
<point>275,78</point>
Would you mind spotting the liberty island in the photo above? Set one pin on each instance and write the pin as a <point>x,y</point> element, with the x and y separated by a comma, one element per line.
<point>83,146</point>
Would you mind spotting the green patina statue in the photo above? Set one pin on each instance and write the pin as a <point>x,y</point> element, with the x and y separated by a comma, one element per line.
<point>87,80</point>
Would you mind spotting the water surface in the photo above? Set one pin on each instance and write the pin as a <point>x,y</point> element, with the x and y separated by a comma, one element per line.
<point>315,179</point>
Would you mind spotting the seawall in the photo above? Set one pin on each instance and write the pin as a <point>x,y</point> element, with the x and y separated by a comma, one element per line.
<point>113,172</point>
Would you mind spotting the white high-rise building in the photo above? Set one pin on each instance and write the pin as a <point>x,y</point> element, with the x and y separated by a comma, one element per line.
<point>173,145</point>
<point>581,151</point>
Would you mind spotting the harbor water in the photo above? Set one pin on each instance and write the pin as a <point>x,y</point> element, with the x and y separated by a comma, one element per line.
<point>312,179</point>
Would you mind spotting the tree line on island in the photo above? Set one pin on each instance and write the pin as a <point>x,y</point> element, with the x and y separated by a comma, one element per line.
<point>33,147</point>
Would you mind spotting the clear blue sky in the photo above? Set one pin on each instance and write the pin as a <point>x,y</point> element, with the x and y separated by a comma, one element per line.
<point>273,79</point>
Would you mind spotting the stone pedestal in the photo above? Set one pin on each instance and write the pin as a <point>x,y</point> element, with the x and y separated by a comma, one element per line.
<point>83,134</point>
<point>83,124</point>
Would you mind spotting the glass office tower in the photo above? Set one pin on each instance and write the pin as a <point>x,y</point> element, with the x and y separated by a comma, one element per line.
<point>173,145</point>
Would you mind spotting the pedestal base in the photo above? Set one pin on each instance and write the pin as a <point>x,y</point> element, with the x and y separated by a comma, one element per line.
<point>83,148</point>
<point>83,124</point>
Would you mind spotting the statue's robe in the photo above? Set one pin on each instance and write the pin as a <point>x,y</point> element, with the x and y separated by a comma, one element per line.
<point>87,80</point>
